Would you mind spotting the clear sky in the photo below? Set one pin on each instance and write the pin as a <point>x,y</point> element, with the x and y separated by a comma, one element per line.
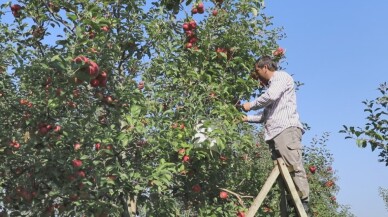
<point>338,48</point>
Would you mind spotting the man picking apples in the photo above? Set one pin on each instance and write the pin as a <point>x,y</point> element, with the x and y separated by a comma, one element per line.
<point>283,130</point>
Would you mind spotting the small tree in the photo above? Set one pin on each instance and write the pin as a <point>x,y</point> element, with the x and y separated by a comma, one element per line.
<point>375,131</point>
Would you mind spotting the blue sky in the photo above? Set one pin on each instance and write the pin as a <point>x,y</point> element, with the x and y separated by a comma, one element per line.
<point>339,50</point>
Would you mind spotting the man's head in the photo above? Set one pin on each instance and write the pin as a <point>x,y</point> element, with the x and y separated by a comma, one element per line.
<point>265,66</point>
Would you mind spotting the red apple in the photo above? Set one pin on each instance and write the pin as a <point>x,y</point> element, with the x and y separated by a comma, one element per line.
<point>76,163</point>
<point>215,12</point>
<point>200,5</point>
<point>105,28</point>
<point>109,147</point>
<point>93,69</point>
<point>81,59</point>
<point>57,128</point>
<point>189,45</point>
<point>194,10</point>
<point>193,40</point>
<point>77,146</point>
<point>279,52</point>
<point>43,130</point>
<point>185,158</point>
<point>223,158</point>
<point>189,33</point>
<point>329,183</point>
<point>15,145</point>
<point>192,24</point>
<point>186,26</point>
<point>223,195</point>
<point>81,174</point>
<point>94,82</point>
<point>181,151</point>
<point>196,188</point>
<point>240,214</point>
<point>97,146</point>
<point>312,169</point>
<point>15,7</point>
<point>103,74</point>
<point>108,99</point>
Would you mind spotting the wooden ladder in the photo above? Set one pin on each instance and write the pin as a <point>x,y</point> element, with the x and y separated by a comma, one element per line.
<point>279,168</point>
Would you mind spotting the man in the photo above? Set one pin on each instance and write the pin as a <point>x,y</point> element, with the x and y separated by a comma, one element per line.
<point>282,128</point>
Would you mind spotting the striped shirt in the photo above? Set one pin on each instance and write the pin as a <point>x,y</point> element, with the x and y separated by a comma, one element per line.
<point>279,103</point>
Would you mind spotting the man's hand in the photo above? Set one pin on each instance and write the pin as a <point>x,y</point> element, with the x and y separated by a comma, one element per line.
<point>246,106</point>
<point>245,119</point>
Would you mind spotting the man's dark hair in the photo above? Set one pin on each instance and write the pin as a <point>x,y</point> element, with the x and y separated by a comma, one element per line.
<point>266,61</point>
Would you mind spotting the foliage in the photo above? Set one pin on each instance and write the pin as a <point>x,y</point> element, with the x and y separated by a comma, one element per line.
<point>375,131</point>
<point>101,102</point>
<point>384,194</point>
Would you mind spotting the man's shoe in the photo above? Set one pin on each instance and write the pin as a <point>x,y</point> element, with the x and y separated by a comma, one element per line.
<point>306,207</point>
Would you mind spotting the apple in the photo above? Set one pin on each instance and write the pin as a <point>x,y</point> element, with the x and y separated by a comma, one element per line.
<point>181,151</point>
<point>193,40</point>
<point>103,74</point>
<point>94,82</point>
<point>223,195</point>
<point>23,102</point>
<point>15,7</point>
<point>196,188</point>
<point>215,12</point>
<point>91,34</point>
<point>194,10</point>
<point>97,146</point>
<point>103,82</point>
<point>16,10</point>
<point>93,69</point>
<point>81,174</point>
<point>240,214</point>
<point>329,183</point>
<point>15,145</point>
<point>77,146</point>
<point>81,59</point>
<point>108,99</point>
<point>279,52</point>
<point>186,26</point>
<point>43,130</point>
<point>189,33</point>
<point>109,147</point>
<point>57,128</point>
<point>312,169</point>
<point>182,126</point>
<point>105,28</point>
<point>185,158</point>
<point>200,5</point>
<point>189,45</point>
<point>223,158</point>
<point>76,163</point>
<point>192,24</point>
